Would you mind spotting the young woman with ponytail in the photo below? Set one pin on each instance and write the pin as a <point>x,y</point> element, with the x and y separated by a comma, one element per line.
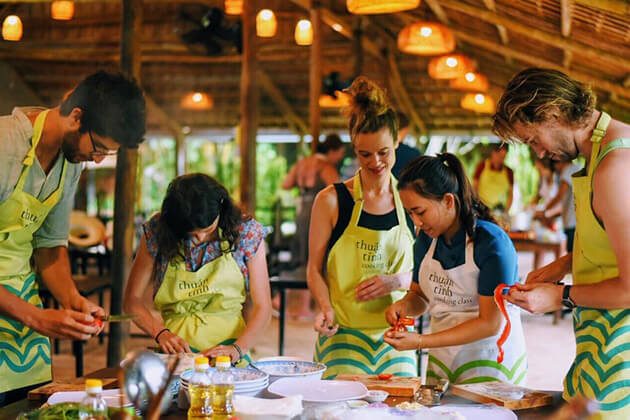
<point>201,257</point>
<point>360,248</point>
<point>460,256</point>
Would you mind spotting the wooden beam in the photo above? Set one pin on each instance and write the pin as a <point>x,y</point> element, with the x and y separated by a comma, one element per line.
<point>466,121</point>
<point>490,5</point>
<point>125,191</point>
<point>584,50</point>
<point>566,60</point>
<point>565,17</point>
<point>249,109</point>
<point>284,106</point>
<point>438,11</point>
<point>626,81</point>
<point>595,81</point>
<point>397,83</point>
<point>315,74</point>
<point>620,7</point>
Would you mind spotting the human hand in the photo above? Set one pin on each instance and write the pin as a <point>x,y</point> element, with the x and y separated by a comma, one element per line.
<point>171,343</point>
<point>396,311</point>
<point>376,287</point>
<point>325,323</point>
<point>231,351</point>
<point>537,298</point>
<point>551,273</point>
<point>84,305</point>
<point>63,323</point>
<point>402,340</point>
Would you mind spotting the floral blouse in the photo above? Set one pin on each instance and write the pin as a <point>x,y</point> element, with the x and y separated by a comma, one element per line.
<point>251,234</point>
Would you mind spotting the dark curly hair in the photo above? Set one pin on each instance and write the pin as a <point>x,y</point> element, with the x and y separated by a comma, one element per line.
<point>434,176</point>
<point>192,202</point>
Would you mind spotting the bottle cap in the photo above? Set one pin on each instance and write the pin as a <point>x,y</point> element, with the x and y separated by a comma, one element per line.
<point>94,385</point>
<point>224,360</point>
<point>201,360</point>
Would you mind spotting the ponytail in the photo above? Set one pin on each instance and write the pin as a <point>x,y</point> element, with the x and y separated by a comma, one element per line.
<point>434,177</point>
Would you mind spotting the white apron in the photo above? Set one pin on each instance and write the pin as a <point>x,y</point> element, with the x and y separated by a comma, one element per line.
<point>453,299</point>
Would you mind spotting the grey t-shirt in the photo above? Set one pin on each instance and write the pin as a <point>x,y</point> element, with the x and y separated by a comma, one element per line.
<point>16,132</point>
<point>568,204</point>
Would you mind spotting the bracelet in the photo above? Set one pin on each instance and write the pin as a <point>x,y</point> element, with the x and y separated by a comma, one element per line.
<point>157,337</point>
<point>238,349</point>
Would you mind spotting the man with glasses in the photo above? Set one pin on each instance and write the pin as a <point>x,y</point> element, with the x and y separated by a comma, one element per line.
<point>41,155</point>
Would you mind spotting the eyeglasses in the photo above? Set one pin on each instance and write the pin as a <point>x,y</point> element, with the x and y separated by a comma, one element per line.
<point>100,152</point>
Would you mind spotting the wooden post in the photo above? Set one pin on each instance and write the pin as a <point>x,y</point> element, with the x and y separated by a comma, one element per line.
<point>249,110</point>
<point>357,47</point>
<point>315,74</point>
<point>124,200</point>
<point>180,153</point>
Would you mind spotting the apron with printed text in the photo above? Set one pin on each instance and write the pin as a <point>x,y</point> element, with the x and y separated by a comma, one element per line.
<point>24,354</point>
<point>453,299</point>
<point>360,253</point>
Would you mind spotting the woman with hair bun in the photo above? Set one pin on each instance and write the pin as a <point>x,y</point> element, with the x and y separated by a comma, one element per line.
<point>202,257</point>
<point>360,248</point>
<point>460,256</point>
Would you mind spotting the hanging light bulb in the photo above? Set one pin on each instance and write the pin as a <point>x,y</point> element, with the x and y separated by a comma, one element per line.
<point>233,7</point>
<point>426,38</point>
<point>12,28</point>
<point>478,102</point>
<point>304,32</point>
<point>369,7</point>
<point>62,10</point>
<point>450,66</point>
<point>266,24</point>
<point>197,101</point>
<point>340,100</point>
<point>474,82</point>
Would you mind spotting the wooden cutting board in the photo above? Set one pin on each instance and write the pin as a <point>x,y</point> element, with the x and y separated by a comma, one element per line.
<point>502,394</point>
<point>45,391</point>
<point>397,386</point>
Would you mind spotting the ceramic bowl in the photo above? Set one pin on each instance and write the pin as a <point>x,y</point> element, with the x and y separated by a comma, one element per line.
<point>277,369</point>
<point>376,396</point>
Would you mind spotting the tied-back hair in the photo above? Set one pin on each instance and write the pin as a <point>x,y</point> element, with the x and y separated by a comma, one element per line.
<point>192,202</point>
<point>534,93</point>
<point>369,110</point>
<point>434,176</point>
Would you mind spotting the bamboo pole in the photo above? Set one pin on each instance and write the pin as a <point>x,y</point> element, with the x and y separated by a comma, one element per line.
<point>249,110</point>
<point>124,199</point>
<point>315,74</point>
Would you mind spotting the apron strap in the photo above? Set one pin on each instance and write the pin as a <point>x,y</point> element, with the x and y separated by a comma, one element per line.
<point>38,128</point>
<point>598,133</point>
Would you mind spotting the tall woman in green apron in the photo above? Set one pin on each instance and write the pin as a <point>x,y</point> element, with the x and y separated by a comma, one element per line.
<point>201,258</point>
<point>360,255</point>
<point>561,121</point>
<point>461,256</point>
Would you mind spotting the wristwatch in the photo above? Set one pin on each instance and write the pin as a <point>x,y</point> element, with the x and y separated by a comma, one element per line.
<point>566,297</point>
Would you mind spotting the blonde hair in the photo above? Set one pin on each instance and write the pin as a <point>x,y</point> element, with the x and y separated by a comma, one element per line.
<point>369,109</point>
<point>533,94</point>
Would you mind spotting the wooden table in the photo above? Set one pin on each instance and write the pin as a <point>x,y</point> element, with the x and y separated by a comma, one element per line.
<point>286,280</point>
<point>11,411</point>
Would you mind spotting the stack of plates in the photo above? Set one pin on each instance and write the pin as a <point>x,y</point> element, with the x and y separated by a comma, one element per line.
<point>246,381</point>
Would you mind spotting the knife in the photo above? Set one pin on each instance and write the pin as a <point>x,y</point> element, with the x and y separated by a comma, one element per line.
<point>117,318</point>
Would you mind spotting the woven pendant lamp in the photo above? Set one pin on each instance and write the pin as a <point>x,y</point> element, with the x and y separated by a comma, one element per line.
<point>370,7</point>
<point>62,10</point>
<point>426,38</point>
<point>304,32</point>
<point>342,99</point>
<point>478,102</point>
<point>266,24</point>
<point>450,66</point>
<point>233,7</point>
<point>12,28</point>
<point>197,101</point>
<point>472,82</point>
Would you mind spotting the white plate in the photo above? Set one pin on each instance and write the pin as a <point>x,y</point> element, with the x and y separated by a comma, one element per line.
<point>109,395</point>
<point>478,411</point>
<point>313,390</point>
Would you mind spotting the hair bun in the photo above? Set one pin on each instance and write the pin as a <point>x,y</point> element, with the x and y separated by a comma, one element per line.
<point>367,98</point>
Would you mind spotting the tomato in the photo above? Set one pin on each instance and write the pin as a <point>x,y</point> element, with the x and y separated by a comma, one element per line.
<point>385,376</point>
<point>406,321</point>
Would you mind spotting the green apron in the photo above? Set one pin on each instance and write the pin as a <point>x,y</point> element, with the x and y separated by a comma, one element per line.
<point>494,186</point>
<point>204,307</point>
<point>359,254</point>
<point>601,369</point>
<point>24,354</point>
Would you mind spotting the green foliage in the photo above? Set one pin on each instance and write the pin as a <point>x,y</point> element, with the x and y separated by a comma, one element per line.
<point>156,169</point>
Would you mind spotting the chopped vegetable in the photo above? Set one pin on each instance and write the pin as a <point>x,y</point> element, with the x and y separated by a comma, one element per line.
<point>385,376</point>
<point>63,411</point>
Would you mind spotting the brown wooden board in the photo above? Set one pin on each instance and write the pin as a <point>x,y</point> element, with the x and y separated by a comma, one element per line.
<point>45,391</point>
<point>397,386</point>
<point>499,393</point>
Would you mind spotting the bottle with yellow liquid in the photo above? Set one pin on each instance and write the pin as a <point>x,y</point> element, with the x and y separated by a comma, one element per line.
<point>200,390</point>
<point>222,389</point>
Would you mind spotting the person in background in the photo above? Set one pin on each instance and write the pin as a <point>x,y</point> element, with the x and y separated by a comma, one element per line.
<point>201,257</point>
<point>547,189</point>
<point>41,151</point>
<point>461,255</point>
<point>556,116</point>
<point>562,203</point>
<point>404,153</point>
<point>360,248</point>
<point>494,181</point>
<point>310,175</point>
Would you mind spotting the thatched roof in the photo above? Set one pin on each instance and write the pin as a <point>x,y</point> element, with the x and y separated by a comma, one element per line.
<point>588,39</point>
